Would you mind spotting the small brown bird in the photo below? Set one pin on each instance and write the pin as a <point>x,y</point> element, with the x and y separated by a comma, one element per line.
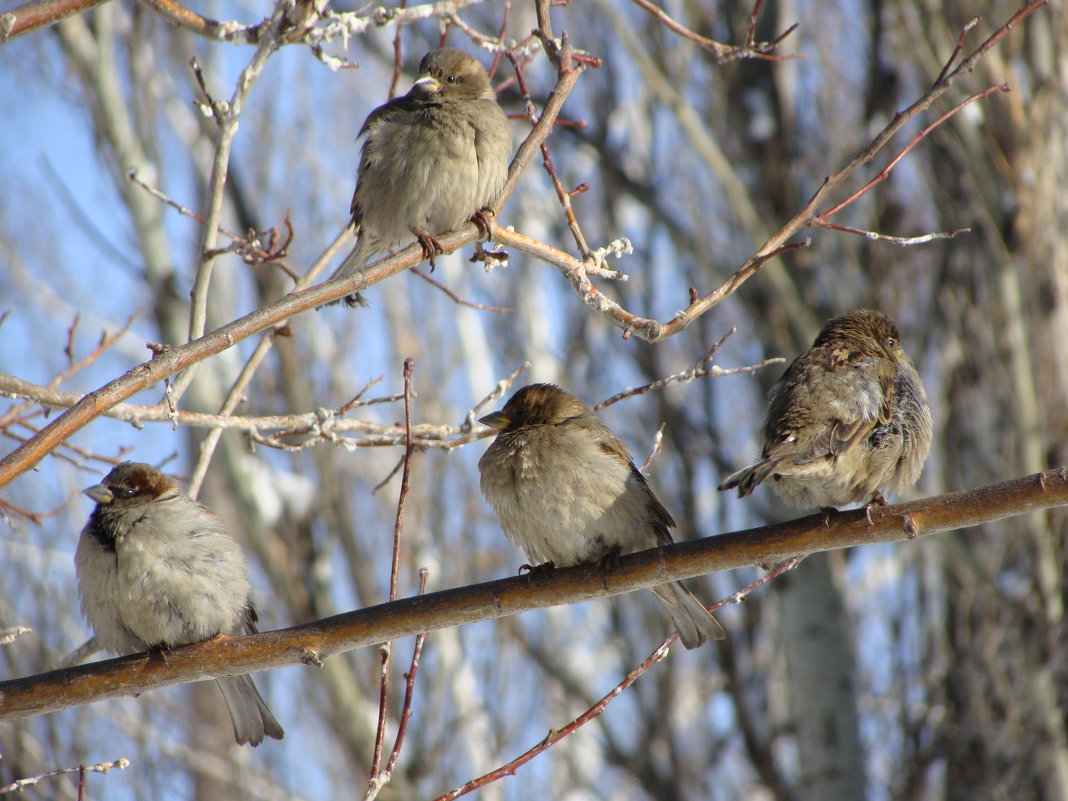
<point>567,493</point>
<point>156,569</point>
<point>431,160</point>
<point>847,420</point>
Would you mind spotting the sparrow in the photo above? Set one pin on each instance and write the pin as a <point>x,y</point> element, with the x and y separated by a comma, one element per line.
<point>567,492</point>
<point>156,569</point>
<point>431,160</point>
<point>847,420</point>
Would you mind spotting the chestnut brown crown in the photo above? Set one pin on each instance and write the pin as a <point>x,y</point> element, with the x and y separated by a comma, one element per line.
<point>452,74</point>
<point>866,329</point>
<point>133,483</point>
<point>536,405</point>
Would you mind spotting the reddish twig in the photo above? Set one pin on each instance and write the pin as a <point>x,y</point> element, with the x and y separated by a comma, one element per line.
<point>398,61</point>
<point>772,573</point>
<point>476,36</point>
<point>501,32</point>
<point>10,511</point>
<point>383,712</point>
<point>556,735</point>
<point>398,529</point>
<point>884,173</point>
<point>717,48</point>
<point>409,450</point>
<point>547,160</point>
<point>754,18</point>
<point>956,50</point>
<point>182,17</point>
<point>248,247</point>
<point>471,304</point>
<point>409,688</point>
<point>106,341</point>
<point>359,395</point>
<point>722,53</point>
<point>68,349</point>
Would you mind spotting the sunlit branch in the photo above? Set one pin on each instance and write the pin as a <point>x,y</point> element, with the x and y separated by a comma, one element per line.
<point>311,642</point>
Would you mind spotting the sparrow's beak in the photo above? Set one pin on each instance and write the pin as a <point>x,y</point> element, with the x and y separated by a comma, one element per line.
<point>427,85</point>
<point>100,494</point>
<point>497,420</point>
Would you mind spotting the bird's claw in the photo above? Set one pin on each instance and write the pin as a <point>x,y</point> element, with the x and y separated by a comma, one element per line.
<point>531,571</point>
<point>159,652</point>
<point>485,220</point>
<point>534,570</point>
<point>877,500</point>
<point>431,247</point>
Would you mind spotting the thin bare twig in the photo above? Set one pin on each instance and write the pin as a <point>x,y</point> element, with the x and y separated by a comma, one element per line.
<point>105,342</point>
<point>398,56</point>
<point>722,53</point>
<point>409,451</point>
<point>957,49</point>
<point>774,572</point>
<point>296,23</point>
<point>562,194</point>
<point>374,783</point>
<point>922,239</point>
<point>658,441</point>
<point>381,779</point>
<point>471,420</point>
<point>884,173</point>
<point>471,304</point>
<point>555,735</point>
<point>703,369</point>
<point>248,247</point>
<point>233,398</point>
<point>101,767</point>
<point>384,651</point>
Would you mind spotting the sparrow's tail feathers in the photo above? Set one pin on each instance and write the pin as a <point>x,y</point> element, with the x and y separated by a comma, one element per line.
<point>746,480</point>
<point>251,718</point>
<point>695,624</point>
<point>356,259</point>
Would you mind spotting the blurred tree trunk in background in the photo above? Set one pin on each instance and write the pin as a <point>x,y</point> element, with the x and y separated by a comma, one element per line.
<point>817,677</point>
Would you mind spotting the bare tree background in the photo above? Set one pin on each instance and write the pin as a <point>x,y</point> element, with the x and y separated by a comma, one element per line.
<point>929,670</point>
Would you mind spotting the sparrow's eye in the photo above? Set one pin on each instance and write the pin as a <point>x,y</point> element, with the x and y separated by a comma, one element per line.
<point>123,492</point>
<point>454,79</point>
<point>891,342</point>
